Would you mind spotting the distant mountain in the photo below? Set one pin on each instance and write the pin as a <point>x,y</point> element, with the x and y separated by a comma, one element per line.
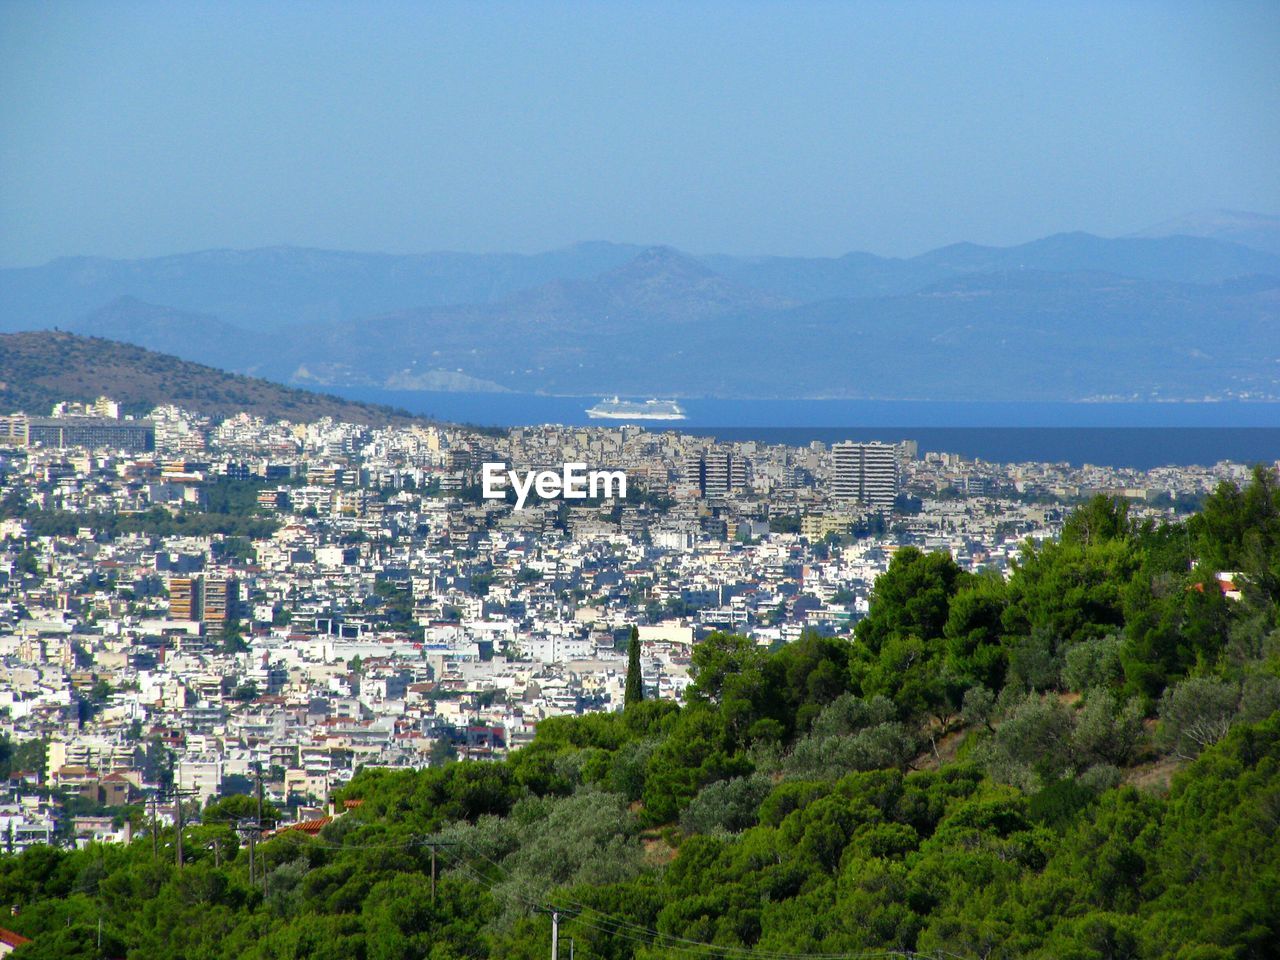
<point>273,287</point>
<point>1179,259</point>
<point>277,287</point>
<point>1173,259</point>
<point>1257,230</point>
<point>826,278</point>
<point>191,336</point>
<point>1069,316</point>
<point>660,285</point>
<point>1031,335</point>
<point>1013,334</point>
<point>548,338</point>
<point>39,369</point>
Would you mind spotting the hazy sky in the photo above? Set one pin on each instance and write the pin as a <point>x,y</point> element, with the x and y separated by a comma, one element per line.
<point>133,129</point>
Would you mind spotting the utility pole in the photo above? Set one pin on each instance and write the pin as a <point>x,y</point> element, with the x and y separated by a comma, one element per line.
<point>177,819</point>
<point>155,830</point>
<point>257,766</point>
<point>556,913</point>
<point>250,829</point>
<point>177,806</point>
<point>257,832</point>
<point>217,851</point>
<point>435,845</point>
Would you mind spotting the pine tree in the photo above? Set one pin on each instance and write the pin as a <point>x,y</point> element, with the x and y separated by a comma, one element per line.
<point>635,682</point>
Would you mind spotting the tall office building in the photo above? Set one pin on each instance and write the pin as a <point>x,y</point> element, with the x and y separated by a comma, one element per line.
<point>221,602</point>
<point>865,472</point>
<point>212,600</point>
<point>186,598</point>
<point>716,472</point>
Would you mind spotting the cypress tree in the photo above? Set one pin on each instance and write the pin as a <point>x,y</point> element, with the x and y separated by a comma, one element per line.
<point>635,682</point>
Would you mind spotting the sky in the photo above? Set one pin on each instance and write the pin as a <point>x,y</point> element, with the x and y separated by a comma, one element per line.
<point>800,128</point>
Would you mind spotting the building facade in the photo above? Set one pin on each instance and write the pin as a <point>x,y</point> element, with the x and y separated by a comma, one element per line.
<point>866,473</point>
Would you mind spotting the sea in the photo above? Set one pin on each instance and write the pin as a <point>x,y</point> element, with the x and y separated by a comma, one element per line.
<point>1140,435</point>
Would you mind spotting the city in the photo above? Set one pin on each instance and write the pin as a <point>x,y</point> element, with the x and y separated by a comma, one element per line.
<point>351,600</point>
<point>639,481</point>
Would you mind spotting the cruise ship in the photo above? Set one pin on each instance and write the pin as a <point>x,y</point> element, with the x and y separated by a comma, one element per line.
<point>617,409</point>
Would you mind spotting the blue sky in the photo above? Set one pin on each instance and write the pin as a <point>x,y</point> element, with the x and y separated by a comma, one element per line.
<point>137,129</point>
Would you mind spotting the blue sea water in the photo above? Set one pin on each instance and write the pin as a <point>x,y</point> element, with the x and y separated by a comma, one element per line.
<point>1140,435</point>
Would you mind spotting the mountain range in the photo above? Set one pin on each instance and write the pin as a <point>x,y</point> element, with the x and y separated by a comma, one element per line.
<point>1068,317</point>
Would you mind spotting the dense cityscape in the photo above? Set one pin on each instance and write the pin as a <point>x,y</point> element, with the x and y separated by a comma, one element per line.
<point>194,609</point>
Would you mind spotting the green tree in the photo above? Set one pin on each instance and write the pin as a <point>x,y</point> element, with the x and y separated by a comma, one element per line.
<point>233,640</point>
<point>1197,713</point>
<point>975,653</point>
<point>635,679</point>
<point>911,598</point>
<point>1239,530</point>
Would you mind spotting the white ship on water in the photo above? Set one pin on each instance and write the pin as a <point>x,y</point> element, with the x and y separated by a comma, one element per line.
<point>618,409</point>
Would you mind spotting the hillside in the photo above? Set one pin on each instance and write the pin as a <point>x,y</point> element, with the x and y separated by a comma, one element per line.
<point>565,336</point>
<point>38,369</point>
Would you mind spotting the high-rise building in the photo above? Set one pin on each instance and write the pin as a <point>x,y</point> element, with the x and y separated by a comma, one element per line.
<point>716,472</point>
<point>865,472</point>
<point>691,474</point>
<point>221,602</point>
<point>212,600</point>
<point>186,598</point>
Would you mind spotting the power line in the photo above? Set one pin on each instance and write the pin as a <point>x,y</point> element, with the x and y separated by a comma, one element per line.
<point>583,914</point>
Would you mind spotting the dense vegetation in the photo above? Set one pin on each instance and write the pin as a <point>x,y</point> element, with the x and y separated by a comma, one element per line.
<point>231,509</point>
<point>1082,761</point>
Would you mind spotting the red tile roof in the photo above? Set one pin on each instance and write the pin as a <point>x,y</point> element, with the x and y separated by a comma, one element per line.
<point>310,827</point>
<point>9,938</point>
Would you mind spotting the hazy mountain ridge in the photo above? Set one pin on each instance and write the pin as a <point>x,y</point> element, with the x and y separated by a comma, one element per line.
<point>1257,230</point>
<point>1001,335</point>
<point>1014,334</point>
<point>1069,317</point>
<point>1173,258</point>
<point>191,336</point>
<point>273,287</point>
